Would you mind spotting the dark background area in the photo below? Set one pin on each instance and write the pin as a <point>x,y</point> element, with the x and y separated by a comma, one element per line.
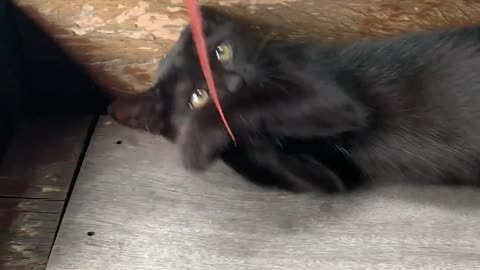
<point>37,76</point>
<point>9,76</point>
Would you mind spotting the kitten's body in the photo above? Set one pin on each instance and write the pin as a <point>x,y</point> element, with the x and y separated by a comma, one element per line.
<point>421,94</point>
<point>402,109</point>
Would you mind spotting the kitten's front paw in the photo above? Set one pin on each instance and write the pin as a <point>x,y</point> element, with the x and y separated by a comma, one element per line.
<point>195,154</point>
<point>199,149</point>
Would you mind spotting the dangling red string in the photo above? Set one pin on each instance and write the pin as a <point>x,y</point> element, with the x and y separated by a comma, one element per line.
<point>201,47</point>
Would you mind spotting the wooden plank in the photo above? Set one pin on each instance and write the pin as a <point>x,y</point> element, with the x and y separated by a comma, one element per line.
<point>143,211</point>
<point>35,177</point>
<point>120,42</point>
<point>41,158</point>
<point>28,228</point>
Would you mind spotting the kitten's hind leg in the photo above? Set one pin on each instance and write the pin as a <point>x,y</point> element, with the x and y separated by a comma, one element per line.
<point>314,173</point>
<point>263,171</point>
<point>266,164</point>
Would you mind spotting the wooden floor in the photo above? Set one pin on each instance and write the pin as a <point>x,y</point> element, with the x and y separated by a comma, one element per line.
<point>35,177</point>
<point>134,207</point>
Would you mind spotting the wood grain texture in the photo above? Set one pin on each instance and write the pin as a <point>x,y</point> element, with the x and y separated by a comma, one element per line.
<point>42,157</point>
<point>148,213</point>
<point>120,42</point>
<point>28,229</point>
<point>35,176</point>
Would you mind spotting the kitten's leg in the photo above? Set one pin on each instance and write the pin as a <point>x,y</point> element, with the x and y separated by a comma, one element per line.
<point>314,173</point>
<point>248,164</point>
<point>303,115</point>
<point>267,165</point>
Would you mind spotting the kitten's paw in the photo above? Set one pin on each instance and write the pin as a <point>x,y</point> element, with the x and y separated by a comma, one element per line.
<point>199,147</point>
<point>196,155</point>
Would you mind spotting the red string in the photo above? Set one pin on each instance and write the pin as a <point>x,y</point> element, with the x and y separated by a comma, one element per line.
<point>199,40</point>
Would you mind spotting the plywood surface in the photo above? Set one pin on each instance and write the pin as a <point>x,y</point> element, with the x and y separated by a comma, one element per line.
<point>35,176</point>
<point>143,211</point>
<point>121,41</point>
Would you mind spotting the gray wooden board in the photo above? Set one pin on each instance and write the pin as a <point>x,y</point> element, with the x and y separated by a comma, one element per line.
<point>148,213</point>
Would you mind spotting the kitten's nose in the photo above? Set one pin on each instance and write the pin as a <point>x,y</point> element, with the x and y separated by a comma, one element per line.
<point>233,82</point>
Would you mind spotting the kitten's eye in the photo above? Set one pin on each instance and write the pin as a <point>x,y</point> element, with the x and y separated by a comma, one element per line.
<point>199,99</point>
<point>224,52</point>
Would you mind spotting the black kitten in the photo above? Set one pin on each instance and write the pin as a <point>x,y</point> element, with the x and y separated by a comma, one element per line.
<point>405,108</point>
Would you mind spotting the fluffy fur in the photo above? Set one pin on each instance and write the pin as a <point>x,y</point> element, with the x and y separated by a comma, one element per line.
<point>315,116</point>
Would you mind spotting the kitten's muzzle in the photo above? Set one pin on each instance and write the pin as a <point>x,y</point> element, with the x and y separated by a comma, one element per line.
<point>233,82</point>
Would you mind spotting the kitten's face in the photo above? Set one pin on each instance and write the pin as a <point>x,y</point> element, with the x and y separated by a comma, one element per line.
<point>180,90</point>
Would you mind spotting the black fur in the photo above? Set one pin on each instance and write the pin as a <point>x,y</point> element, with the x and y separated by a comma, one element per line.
<point>308,116</point>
